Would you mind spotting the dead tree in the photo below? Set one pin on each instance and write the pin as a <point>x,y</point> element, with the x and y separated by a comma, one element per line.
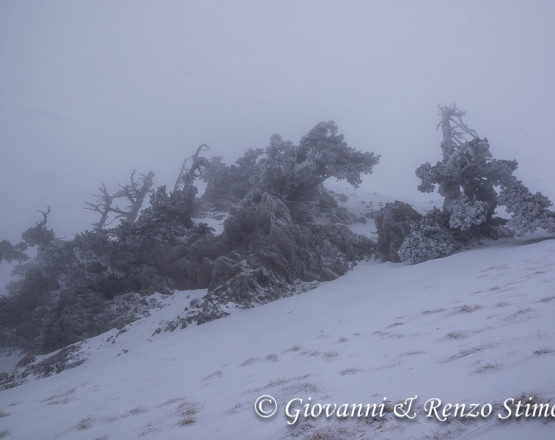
<point>102,205</point>
<point>45,215</point>
<point>134,193</point>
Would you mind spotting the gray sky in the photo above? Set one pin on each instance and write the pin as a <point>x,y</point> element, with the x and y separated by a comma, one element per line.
<point>91,90</point>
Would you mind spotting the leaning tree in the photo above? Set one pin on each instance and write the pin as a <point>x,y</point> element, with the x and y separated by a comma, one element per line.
<point>473,183</point>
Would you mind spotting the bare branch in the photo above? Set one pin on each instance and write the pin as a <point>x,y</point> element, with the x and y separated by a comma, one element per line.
<point>133,192</point>
<point>119,212</point>
<point>102,206</point>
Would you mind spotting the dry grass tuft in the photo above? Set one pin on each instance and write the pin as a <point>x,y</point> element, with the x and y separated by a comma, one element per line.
<point>272,357</point>
<point>84,423</point>
<point>469,308</point>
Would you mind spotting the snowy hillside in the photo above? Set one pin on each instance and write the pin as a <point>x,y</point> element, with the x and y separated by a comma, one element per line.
<point>476,327</point>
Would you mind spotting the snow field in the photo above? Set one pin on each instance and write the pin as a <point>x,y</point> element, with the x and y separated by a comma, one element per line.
<point>473,327</point>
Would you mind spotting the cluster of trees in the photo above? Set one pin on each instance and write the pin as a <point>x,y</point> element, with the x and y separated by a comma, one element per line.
<point>269,246</point>
<point>160,248</point>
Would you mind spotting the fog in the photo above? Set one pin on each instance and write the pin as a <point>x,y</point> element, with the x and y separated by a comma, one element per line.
<point>90,91</point>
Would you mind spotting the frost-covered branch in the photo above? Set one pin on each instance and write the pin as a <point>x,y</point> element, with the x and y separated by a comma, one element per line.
<point>453,129</point>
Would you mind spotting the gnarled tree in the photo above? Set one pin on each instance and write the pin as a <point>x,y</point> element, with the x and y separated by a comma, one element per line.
<point>468,174</point>
<point>133,193</point>
<point>473,184</point>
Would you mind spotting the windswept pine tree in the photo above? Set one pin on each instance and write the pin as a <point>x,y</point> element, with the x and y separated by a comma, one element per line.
<point>473,184</point>
<point>467,175</point>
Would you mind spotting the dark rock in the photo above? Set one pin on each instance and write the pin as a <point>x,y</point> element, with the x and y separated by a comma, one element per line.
<point>224,268</point>
<point>275,256</point>
<point>394,222</point>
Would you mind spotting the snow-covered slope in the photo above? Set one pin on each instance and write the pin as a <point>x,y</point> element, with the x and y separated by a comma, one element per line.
<point>473,327</point>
